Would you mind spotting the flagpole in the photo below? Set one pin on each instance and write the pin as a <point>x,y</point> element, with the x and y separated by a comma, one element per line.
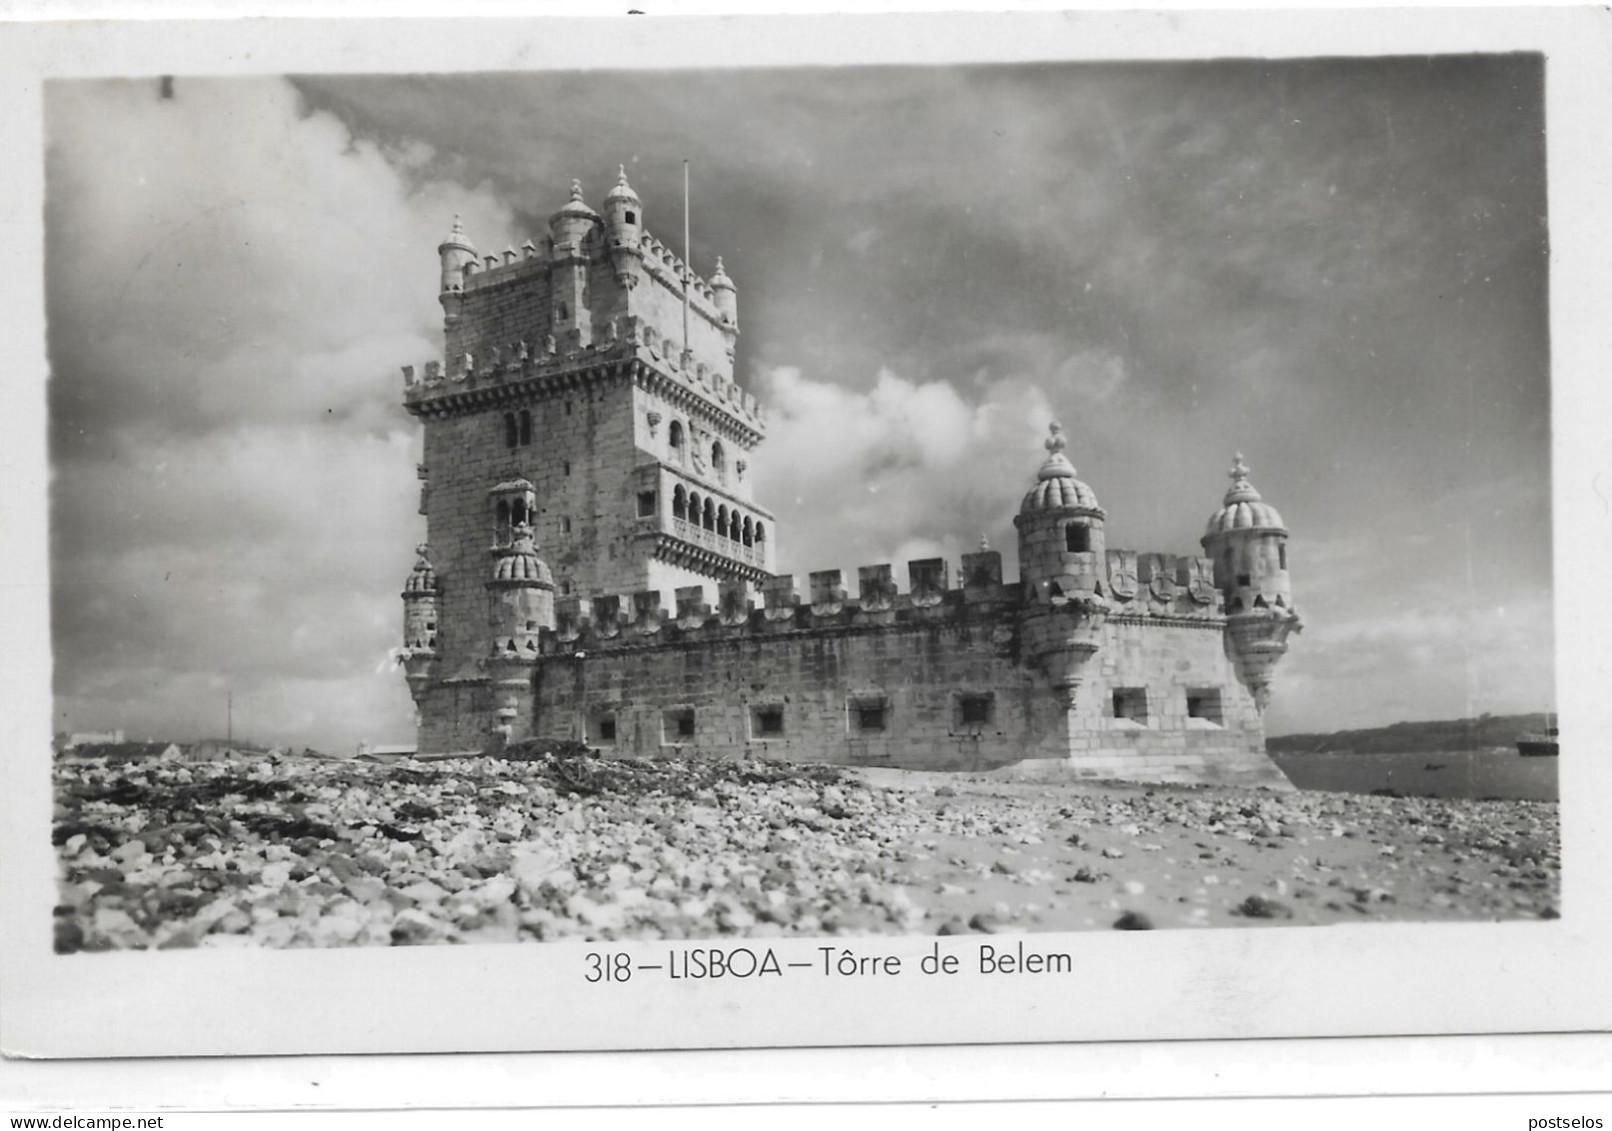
<point>686,267</point>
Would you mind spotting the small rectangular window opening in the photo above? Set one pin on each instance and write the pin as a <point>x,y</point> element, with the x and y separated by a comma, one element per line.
<point>768,721</point>
<point>974,710</point>
<point>1130,703</point>
<point>677,725</point>
<point>1077,539</point>
<point>1281,556</point>
<point>1244,579</point>
<point>870,717</point>
<point>604,729</point>
<point>646,504</point>
<point>1204,704</point>
<point>567,466</point>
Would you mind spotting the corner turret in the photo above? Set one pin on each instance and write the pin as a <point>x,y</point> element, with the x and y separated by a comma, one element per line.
<point>521,596</point>
<point>727,304</point>
<point>572,320</point>
<point>1062,561</point>
<point>420,617</point>
<point>1248,544</point>
<point>624,227</point>
<point>456,252</point>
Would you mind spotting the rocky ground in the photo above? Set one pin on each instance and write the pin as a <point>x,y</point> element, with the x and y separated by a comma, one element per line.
<point>298,852</point>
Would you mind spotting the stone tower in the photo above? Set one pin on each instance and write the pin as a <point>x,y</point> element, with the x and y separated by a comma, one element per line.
<point>1062,563</point>
<point>1248,545</point>
<point>572,417</point>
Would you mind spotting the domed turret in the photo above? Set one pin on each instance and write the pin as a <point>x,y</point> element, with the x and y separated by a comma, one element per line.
<point>456,253</point>
<point>420,651</point>
<point>727,304</point>
<point>522,591</point>
<point>1248,542</point>
<point>1061,565</point>
<point>420,604</point>
<point>572,223</point>
<point>624,220</point>
<point>1060,524</point>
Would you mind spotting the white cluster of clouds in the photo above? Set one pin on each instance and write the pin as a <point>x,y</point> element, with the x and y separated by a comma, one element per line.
<point>233,284</point>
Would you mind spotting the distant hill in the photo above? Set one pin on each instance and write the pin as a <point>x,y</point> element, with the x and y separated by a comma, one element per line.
<point>1448,735</point>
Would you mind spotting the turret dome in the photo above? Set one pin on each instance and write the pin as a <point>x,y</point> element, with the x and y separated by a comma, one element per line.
<point>1056,487</point>
<point>456,239</point>
<point>623,191</point>
<point>1242,508</point>
<point>423,579</point>
<point>520,562</point>
<point>719,278</point>
<point>575,208</point>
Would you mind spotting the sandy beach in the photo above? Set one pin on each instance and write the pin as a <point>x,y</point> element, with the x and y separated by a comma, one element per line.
<point>302,852</point>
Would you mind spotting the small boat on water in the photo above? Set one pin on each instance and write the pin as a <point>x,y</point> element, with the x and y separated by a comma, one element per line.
<point>1539,745</point>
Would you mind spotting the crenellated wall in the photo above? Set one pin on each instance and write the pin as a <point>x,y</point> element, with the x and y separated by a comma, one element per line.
<point>882,678</point>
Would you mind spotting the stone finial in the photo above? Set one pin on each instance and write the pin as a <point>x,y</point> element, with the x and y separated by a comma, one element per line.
<point>576,189</point>
<point>985,543</point>
<point>1057,465</point>
<point>1241,491</point>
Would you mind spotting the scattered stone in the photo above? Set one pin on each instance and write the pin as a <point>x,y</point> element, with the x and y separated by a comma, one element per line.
<point>1133,921</point>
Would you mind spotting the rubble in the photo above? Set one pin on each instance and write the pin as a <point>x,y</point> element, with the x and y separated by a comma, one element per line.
<point>554,844</point>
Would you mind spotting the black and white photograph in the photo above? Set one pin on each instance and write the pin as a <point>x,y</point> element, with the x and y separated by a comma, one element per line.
<point>751,520</point>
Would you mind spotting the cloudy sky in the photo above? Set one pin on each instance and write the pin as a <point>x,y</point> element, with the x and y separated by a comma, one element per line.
<point>1336,267</point>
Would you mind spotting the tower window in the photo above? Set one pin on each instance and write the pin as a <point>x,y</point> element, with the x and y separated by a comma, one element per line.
<point>517,512</point>
<point>1130,703</point>
<point>747,533</point>
<point>761,533</point>
<point>602,728</point>
<point>975,710</point>
<point>675,435</point>
<point>718,461</point>
<point>708,519</point>
<point>722,520</point>
<point>565,311</point>
<point>1077,539</point>
<point>565,526</point>
<point>567,467</point>
<point>511,435</point>
<point>1244,579</point>
<point>679,502</point>
<point>501,514</point>
<point>868,715</point>
<point>1281,555</point>
<point>632,217</point>
<point>677,725</point>
<point>646,504</point>
<point>767,721</point>
<point>1203,703</point>
<point>526,427</point>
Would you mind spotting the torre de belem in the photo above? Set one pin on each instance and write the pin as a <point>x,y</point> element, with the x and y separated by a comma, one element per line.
<point>598,568</point>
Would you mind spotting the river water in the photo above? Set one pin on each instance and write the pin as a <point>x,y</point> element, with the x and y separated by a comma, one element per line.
<point>1463,774</point>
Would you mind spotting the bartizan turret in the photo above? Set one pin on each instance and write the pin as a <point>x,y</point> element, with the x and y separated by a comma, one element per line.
<point>624,228</point>
<point>521,602</point>
<point>457,254</point>
<point>1248,544</point>
<point>571,228</point>
<point>420,654</point>
<point>1061,565</point>
<point>727,304</point>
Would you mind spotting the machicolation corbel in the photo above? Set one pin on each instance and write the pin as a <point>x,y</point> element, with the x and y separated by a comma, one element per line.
<point>876,588</point>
